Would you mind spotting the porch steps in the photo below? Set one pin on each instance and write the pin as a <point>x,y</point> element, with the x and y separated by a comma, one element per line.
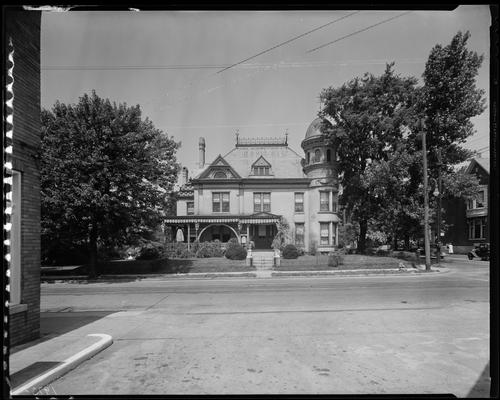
<point>263,260</point>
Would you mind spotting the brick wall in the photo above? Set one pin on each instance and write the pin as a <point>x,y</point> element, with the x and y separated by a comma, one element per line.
<point>24,29</point>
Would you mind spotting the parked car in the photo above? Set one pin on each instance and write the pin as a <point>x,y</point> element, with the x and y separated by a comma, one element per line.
<point>481,251</point>
<point>421,251</point>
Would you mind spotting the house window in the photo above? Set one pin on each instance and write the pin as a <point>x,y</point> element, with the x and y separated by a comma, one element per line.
<point>480,199</point>
<point>324,201</point>
<point>328,155</point>
<point>262,202</point>
<point>220,175</point>
<point>477,228</point>
<point>299,234</point>
<point>324,233</point>
<point>190,208</point>
<point>220,201</point>
<point>317,155</point>
<point>15,239</point>
<point>334,206</point>
<point>299,202</point>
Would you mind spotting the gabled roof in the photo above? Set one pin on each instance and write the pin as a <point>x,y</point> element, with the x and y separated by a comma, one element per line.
<point>219,164</point>
<point>484,163</point>
<point>261,162</point>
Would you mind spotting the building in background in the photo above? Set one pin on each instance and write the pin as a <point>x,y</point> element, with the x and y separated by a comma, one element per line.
<point>22,43</point>
<point>468,219</point>
<point>245,193</point>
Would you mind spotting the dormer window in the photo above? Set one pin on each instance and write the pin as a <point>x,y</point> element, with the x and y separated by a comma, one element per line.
<point>260,171</point>
<point>261,167</point>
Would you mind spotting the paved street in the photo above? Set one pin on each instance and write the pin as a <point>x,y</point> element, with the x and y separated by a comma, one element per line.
<point>379,334</point>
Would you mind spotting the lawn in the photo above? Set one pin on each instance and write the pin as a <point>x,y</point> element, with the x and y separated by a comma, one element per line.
<point>222,265</point>
<point>350,262</point>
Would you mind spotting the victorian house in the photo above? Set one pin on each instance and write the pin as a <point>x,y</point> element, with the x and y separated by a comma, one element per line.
<point>246,192</point>
<point>469,220</point>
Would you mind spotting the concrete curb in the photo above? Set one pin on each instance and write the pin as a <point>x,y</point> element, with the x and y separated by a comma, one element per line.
<point>361,272</point>
<point>33,386</point>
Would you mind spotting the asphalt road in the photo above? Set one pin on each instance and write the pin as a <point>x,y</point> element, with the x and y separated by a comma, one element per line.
<point>336,335</point>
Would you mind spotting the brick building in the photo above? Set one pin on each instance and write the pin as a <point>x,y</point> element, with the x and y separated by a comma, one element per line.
<point>469,219</point>
<point>246,192</point>
<point>22,28</point>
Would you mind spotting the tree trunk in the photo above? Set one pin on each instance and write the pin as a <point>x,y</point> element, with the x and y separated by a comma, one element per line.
<point>395,242</point>
<point>407,242</point>
<point>93,272</point>
<point>363,229</point>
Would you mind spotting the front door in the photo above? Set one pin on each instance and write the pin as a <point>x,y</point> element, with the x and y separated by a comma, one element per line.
<point>263,235</point>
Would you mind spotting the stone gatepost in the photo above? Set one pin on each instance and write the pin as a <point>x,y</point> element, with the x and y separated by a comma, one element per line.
<point>249,259</point>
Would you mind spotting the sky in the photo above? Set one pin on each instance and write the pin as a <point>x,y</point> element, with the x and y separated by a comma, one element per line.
<point>172,63</point>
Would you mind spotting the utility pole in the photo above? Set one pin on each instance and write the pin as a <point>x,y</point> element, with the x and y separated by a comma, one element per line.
<point>438,222</point>
<point>426,204</point>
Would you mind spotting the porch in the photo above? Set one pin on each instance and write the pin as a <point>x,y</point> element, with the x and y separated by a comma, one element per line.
<point>258,228</point>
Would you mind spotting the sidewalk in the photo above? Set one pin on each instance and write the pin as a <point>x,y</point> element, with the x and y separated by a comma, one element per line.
<point>31,368</point>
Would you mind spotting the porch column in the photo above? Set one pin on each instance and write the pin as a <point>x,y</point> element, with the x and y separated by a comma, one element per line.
<point>330,236</point>
<point>248,233</point>
<point>196,228</point>
<point>189,235</point>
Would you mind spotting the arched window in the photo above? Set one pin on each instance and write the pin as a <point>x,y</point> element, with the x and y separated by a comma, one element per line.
<point>220,175</point>
<point>317,155</point>
<point>328,155</point>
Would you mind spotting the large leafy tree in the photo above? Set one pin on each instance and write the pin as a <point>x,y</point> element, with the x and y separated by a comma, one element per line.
<point>448,101</point>
<point>106,174</point>
<point>377,126</point>
<point>368,116</point>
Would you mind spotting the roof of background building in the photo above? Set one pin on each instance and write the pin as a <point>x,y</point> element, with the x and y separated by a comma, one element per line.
<point>483,162</point>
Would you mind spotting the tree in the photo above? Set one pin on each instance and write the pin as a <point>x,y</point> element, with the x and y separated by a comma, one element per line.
<point>105,174</point>
<point>368,116</point>
<point>449,100</point>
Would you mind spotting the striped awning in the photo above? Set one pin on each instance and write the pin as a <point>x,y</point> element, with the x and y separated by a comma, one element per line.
<point>240,219</point>
<point>192,220</point>
<point>259,220</point>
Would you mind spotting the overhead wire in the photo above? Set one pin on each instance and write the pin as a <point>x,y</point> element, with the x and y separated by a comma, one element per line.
<point>359,31</point>
<point>289,41</point>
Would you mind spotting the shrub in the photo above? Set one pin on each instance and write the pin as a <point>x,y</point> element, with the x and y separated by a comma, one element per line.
<point>385,253</point>
<point>290,251</point>
<point>312,248</point>
<point>209,249</point>
<point>150,251</point>
<point>232,242</point>
<point>236,252</point>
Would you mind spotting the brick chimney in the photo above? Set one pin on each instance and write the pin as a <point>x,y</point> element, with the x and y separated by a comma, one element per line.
<point>201,146</point>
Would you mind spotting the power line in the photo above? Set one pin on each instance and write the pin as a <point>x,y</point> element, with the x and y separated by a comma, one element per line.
<point>290,64</point>
<point>288,41</point>
<point>355,33</point>
<point>125,67</point>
